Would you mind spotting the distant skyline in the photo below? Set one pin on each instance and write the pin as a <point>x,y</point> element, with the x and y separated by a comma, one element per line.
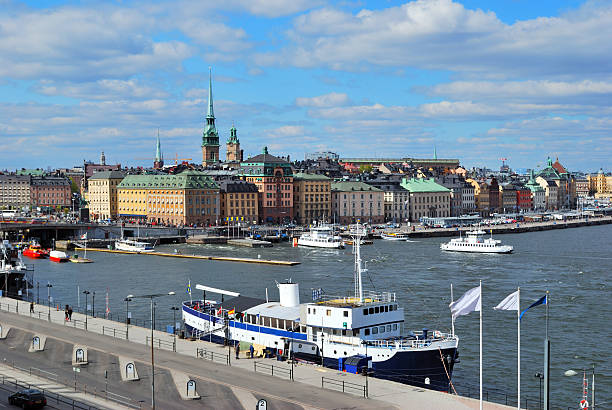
<point>478,80</point>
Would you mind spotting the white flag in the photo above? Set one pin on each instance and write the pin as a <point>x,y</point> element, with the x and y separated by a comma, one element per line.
<point>469,302</point>
<point>510,303</point>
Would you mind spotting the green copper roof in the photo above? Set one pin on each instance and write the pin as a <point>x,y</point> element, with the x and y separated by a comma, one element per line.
<point>347,186</point>
<point>309,177</point>
<point>185,180</point>
<point>422,185</point>
<point>233,138</point>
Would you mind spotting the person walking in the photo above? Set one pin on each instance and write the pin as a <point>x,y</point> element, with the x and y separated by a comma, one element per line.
<point>32,307</point>
<point>237,350</point>
<point>66,313</point>
<point>251,350</point>
<point>70,313</point>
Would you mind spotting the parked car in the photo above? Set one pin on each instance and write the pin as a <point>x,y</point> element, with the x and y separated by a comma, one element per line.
<point>28,399</point>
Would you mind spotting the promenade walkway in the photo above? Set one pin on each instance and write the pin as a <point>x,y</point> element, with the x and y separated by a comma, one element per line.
<point>216,368</point>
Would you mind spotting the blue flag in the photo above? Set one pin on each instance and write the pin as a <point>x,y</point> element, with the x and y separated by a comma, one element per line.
<point>541,301</point>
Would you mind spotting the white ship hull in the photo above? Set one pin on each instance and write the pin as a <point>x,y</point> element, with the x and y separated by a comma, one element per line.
<point>476,249</point>
<point>320,244</point>
<point>133,246</point>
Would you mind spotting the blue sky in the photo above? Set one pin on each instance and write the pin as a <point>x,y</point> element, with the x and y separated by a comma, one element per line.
<point>480,80</point>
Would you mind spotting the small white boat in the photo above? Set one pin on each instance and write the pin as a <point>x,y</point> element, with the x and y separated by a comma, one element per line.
<point>394,236</point>
<point>58,256</point>
<point>474,241</point>
<point>133,246</point>
<point>322,236</point>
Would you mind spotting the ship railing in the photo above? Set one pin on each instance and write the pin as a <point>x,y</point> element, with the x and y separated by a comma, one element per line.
<point>368,297</point>
<point>416,343</point>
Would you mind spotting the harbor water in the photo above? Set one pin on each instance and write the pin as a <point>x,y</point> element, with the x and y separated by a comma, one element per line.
<point>573,264</point>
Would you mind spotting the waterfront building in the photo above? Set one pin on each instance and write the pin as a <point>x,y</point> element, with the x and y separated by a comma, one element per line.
<point>89,168</point>
<point>102,194</point>
<point>238,203</point>
<point>396,197</point>
<point>555,173</point>
<point>494,196</point>
<point>582,187</point>
<point>538,194</point>
<point>184,199</point>
<point>354,201</point>
<point>273,177</point>
<point>233,152</point>
<point>50,191</point>
<point>311,198</point>
<point>14,191</point>
<point>210,136</point>
<point>427,198</point>
<point>524,201</point>
<point>460,191</point>
<point>508,198</point>
<point>600,184</point>
<point>481,196</point>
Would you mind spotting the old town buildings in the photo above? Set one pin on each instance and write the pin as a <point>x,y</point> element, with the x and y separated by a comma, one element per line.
<point>354,201</point>
<point>102,188</point>
<point>427,198</point>
<point>311,198</point>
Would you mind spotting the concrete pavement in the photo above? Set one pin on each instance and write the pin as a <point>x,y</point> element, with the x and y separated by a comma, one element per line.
<point>240,380</point>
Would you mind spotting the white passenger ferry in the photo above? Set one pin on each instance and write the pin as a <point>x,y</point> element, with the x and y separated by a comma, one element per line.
<point>360,332</point>
<point>322,236</point>
<point>474,241</point>
<point>394,236</point>
<point>133,246</point>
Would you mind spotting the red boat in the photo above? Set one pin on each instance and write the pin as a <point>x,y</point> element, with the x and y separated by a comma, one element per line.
<point>35,252</point>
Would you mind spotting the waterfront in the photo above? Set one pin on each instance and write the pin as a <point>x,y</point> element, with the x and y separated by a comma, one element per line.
<point>572,264</point>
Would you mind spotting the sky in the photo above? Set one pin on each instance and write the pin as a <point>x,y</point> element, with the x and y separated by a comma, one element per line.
<point>477,80</point>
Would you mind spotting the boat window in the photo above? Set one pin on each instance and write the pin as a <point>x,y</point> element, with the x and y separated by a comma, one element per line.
<point>371,311</point>
<point>382,329</point>
<point>376,309</point>
<point>328,312</point>
<point>386,309</point>
<point>365,312</point>
<point>395,326</point>
<point>344,333</point>
<point>346,313</point>
<point>374,330</point>
<point>314,311</point>
<point>366,332</point>
<point>308,310</point>
<point>388,328</point>
<point>300,345</point>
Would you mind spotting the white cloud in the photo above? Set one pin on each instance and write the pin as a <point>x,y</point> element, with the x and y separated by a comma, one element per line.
<point>100,90</point>
<point>326,100</point>
<point>286,131</point>
<point>444,35</point>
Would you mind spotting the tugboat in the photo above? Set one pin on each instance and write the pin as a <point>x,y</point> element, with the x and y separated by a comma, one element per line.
<point>474,241</point>
<point>361,332</point>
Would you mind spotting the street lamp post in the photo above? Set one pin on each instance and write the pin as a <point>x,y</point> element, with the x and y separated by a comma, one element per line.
<point>86,292</point>
<point>49,286</point>
<point>37,292</point>
<point>153,296</point>
<point>541,377</point>
<point>93,304</point>
<point>127,319</point>
<point>174,309</point>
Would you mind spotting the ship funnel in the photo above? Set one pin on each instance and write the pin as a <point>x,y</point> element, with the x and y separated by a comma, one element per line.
<point>289,294</point>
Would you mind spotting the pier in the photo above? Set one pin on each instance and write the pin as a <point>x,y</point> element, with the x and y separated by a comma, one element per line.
<point>219,380</point>
<point>204,257</point>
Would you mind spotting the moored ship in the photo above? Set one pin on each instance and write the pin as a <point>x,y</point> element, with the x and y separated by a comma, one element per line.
<point>366,328</point>
<point>322,236</point>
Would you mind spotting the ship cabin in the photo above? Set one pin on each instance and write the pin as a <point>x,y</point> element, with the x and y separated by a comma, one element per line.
<point>351,321</point>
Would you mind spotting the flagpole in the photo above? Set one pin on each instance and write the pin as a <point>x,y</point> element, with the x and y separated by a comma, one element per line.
<point>547,362</point>
<point>481,345</point>
<point>452,318</point>
<point>518,321</point>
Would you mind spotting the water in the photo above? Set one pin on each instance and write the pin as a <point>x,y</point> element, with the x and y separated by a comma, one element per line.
<point>573,264</point>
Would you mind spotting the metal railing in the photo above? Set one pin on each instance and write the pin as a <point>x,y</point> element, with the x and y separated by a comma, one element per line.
<point>213,356</point>
<point>347,387</point>
<point>58,398</point>
<point>273,370</point>
<point>114,332</point>
<point>162,344</point>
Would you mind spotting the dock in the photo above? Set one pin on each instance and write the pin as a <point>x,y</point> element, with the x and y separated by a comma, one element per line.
<point>219,380</point>
<point>204,257</point>
<point>250,243</point>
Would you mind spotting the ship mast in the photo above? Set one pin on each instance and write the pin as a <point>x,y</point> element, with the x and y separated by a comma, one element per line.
<point>357,232</point>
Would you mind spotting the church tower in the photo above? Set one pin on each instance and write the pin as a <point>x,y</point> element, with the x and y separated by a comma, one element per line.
<point>159,158</point>
<point>210,137</point>
<point>233,146</point>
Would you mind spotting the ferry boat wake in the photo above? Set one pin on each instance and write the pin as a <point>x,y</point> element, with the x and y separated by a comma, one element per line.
<point>365,330</point>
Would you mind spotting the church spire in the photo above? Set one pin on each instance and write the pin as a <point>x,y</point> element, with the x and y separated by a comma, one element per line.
<point>158,151</point>
<point>210,113</point>
<point>435,153</point>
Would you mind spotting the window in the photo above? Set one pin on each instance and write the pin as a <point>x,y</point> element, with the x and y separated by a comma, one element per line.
<point>395,326</point>
<point>371,311</point>
<point>345,313</point>
<point>376,309</point>
<point>375,331</point>
<point>382,329</point>
<point>328,312</point>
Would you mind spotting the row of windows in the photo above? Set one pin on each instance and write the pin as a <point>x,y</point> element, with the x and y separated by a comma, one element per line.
<point>379,309</point>
<point>379,329</point>
<point>430,199</point>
